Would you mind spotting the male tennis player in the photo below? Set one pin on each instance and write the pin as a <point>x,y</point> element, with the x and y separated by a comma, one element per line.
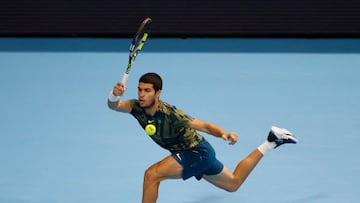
<point>190,154</point>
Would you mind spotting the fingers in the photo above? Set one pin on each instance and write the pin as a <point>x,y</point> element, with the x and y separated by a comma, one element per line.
<point>119,89</point>
<point>231,137</point>
<point>232,140</point>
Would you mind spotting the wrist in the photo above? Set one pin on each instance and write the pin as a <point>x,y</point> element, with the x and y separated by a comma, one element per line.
<point>112,97</point>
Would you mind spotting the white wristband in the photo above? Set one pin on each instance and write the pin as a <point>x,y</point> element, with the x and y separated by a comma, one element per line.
<point>113,98</point>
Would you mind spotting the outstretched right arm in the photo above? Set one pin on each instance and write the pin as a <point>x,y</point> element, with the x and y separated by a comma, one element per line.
<point>114,101</point>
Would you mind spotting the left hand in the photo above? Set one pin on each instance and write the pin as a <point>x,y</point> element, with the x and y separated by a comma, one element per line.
<point>230,136</point>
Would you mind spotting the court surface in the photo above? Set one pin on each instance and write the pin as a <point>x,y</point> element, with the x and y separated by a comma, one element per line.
<point>59,142</point>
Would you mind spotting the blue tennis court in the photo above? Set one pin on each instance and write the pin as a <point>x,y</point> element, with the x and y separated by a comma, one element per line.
<point>60,143</point>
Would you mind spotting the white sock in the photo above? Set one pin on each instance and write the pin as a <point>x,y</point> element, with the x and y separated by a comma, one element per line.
<point>266,146</point>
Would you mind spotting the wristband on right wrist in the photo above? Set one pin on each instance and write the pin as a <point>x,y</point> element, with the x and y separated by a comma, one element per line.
<point>113,98</point>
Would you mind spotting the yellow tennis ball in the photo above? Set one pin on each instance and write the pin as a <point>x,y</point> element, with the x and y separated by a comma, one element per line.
<point>150,129</point>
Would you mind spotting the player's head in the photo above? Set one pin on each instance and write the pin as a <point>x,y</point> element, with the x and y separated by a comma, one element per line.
<point>153,79</point>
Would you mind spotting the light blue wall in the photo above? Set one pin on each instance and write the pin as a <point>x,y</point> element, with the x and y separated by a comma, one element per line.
<point>60,143</point>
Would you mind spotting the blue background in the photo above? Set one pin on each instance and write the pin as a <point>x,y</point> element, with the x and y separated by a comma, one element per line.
<point>60,143</point>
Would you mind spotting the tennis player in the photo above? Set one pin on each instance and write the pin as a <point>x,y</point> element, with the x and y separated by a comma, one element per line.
<point>191,155</point>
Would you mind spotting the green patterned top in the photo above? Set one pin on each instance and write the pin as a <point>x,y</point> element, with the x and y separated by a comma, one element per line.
<point>172,126</point>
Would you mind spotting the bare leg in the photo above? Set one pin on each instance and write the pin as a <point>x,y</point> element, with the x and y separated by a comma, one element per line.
<point>232,181</point>
<point>244,168</point>
<point>167,168</point>
<point>150,191</point>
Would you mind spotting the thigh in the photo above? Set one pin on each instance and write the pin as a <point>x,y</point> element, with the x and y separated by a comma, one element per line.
<point>168,168</point>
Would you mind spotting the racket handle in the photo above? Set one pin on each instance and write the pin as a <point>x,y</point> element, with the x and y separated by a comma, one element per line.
<point>125,78</point>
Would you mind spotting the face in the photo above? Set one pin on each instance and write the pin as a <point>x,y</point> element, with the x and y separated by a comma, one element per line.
<point>146,95</point>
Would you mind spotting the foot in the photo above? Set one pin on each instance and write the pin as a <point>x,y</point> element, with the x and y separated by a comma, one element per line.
<point>281,136</point>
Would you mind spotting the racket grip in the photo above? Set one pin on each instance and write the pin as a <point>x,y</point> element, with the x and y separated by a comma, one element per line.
<point>125,78</point>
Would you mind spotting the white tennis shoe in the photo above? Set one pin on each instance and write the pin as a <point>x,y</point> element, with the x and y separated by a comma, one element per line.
<point>281,136</point>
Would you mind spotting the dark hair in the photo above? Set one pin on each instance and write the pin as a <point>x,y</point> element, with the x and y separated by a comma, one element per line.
<point>152,78</point>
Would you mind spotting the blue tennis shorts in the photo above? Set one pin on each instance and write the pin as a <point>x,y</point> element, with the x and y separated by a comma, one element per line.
<point>198,161</point>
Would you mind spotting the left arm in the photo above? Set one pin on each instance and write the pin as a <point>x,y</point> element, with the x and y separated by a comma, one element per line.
<point>214,130</point>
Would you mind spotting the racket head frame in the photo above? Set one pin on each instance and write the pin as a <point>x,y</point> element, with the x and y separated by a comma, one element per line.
<point>136,45</point>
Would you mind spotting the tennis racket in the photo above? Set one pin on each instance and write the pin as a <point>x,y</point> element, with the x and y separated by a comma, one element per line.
<point>136,46</point>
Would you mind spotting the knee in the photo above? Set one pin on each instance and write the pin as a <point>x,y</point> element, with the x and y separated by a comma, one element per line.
<point>151,175</point>
<point>232,188</point>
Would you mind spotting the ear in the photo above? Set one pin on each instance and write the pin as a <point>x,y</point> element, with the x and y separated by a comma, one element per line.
<point>157,94</point>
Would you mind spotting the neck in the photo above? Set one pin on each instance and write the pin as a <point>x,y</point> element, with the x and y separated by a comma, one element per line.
<point>151,110</point>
